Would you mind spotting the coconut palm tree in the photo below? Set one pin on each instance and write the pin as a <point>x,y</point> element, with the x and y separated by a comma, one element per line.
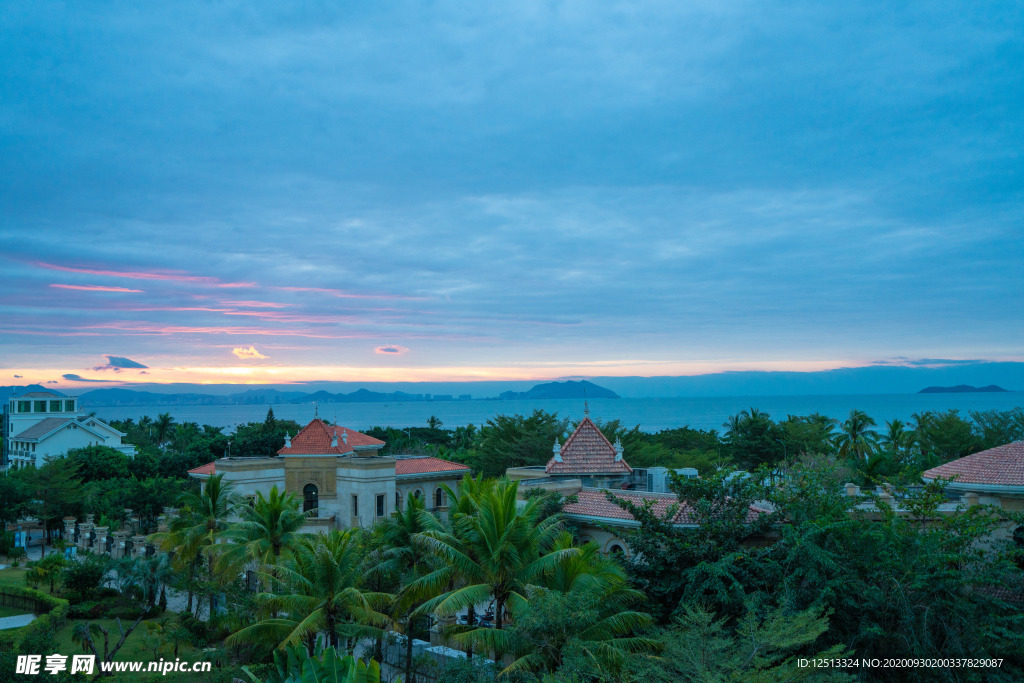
<point>316,589</point>
<point>407,556</point>
<point>500,551</point>
<point>266,530</point>
<point>897,439</point>
<point>162,427</point>
<point>202,519</point>
<point>856,438</point>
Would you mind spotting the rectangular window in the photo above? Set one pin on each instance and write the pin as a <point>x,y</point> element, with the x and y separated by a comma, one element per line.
<point>24,406</point>
<point>55,406</point>
<point>355,505</point>
<point>40,407</point>
<point>69,406</point>
<point>380,504</point>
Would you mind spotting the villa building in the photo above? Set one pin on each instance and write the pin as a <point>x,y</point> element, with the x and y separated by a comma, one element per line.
<point>340,476</point>
<point>991,477</point>
<point>588,466</point>
<point>43,424</point>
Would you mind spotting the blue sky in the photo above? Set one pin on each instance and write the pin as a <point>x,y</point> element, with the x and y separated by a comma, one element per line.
<point>270,191</point>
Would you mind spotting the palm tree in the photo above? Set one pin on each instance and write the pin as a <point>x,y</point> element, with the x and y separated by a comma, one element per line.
<point>268,529</point>
<point>407,556</point>
<point>500,551</point>
<point>856,438</point>
<point>202,519</point>
<point>163,425</point>
<point>316,589</point>
<point>433,422</point>
<point>596,611</point>
<point>896,439</point>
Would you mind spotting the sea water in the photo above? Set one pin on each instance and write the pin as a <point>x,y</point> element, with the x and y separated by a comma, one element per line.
<point>651,414</point>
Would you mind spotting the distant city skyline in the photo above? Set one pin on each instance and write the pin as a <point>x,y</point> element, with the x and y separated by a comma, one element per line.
<point>267,194</point>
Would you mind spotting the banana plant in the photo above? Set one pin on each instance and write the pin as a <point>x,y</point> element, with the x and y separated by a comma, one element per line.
<point>294,664</point>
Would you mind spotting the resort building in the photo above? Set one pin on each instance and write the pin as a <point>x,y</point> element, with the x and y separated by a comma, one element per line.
<point>43,424</point>
<point>588,466</point>
<point>991,477</point>
<point>340,476</point>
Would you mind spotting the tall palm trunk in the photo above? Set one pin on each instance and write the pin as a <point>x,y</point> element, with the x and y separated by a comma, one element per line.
<point>408,650</point>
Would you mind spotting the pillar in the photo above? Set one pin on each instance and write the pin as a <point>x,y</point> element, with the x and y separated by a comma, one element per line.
<point>100,545</point>
<point>138,545</point>
<point>119,545</point>
<point>85,534</point>
<point>69,530</point>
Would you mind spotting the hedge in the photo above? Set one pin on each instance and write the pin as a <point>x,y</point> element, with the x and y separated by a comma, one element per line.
<point>53,613</point>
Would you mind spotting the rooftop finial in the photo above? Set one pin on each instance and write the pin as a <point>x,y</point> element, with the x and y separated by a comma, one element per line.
<point>334,439</point>
<point>586,408</point>
<point>287,439</point>
<point>316,411</point>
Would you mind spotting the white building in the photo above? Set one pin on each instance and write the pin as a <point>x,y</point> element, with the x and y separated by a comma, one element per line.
<point>43,424</point>
<point>340,474</point>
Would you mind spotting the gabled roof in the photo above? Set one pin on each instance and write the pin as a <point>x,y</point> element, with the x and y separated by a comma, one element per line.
<point>409,466</point>
<point>315,439</point>
<point>1000,466</point>
<point>595,503</point>
<point>587,451</point>
<point>43,427</point>
<point>205,470</point>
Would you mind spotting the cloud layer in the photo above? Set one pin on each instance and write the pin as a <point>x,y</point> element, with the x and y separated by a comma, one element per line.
<point>527,185</point>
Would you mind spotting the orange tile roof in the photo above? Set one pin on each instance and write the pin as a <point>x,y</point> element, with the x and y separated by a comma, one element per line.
<point>315,439</point>
<point>1000,466</point>
<point>427,465</point>
<point>208,468</point>
<point>587,451</point>
<point>595,503</point>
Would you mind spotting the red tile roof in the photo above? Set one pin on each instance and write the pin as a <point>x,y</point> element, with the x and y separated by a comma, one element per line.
<point>1000,466</point>
<point>595,503</point>
<point>587,451</point>
<point>427,465</point>
<point>315,439</point>
<point>208,468</point>
<point>402,466</point>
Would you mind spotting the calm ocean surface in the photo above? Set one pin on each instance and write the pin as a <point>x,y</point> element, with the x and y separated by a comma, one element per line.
<point>652,414</point>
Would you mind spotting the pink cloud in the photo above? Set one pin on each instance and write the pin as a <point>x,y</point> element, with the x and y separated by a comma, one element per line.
<point>256,304</point>
<point>167,275</point>
<point>97,288</point>
<point>342,294</point>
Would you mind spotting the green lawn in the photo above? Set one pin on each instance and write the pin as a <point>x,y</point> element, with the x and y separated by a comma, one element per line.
<point>11,611</point>
<point>133,648</point>
<point>13,576</point>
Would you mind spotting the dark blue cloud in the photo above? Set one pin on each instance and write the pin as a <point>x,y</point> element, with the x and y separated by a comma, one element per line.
<point>118,363</point>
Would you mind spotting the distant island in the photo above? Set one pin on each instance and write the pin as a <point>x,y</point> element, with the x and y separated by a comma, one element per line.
<point>115,397</point>
<point>569,389</point>
<point>962,389</point>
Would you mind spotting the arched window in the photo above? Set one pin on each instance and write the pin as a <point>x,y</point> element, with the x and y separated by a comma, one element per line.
<point>438,497</point>
<point>310,497</point>
<point>398,501</point>
<point>616,549</point>
<point>418,494</point>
